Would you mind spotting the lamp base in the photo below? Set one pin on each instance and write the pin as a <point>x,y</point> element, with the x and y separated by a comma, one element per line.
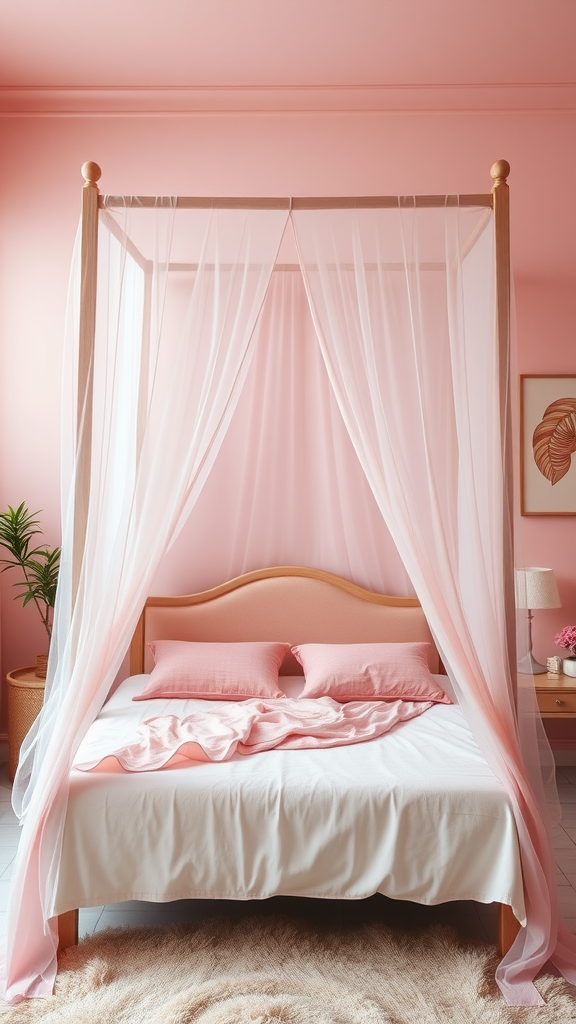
<point>530,667</point>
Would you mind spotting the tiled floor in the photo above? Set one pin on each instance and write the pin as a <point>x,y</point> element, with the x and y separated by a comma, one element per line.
<point>471,920</point>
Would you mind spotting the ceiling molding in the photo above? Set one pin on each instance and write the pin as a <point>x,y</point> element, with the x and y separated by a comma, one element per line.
<point>33,101</point>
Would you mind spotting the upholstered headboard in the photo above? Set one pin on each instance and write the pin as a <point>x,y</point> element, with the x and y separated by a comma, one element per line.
<point>291,603</point>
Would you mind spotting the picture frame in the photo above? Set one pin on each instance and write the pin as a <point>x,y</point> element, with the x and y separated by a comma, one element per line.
<point>548,444</point>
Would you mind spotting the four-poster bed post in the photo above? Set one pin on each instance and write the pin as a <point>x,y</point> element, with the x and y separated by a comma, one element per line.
<point>501,193</point>
<point>508,925</point>
<point>68,923</point>
<point>498,200</point>
<point>87,330</point>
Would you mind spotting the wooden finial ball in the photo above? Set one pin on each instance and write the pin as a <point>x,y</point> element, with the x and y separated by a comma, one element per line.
<point>91,172</point>
<point>500,171</point>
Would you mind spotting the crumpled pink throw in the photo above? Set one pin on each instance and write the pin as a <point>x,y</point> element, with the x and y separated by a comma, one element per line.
<point>251,726</point>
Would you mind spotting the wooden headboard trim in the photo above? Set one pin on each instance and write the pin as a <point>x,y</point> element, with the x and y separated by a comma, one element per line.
<point>137,646</point>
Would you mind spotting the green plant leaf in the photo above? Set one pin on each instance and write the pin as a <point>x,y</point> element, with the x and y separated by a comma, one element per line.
<point>40,565</point>
<point>17,527</point>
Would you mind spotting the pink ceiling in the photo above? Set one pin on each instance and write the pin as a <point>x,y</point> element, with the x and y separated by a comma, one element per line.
<point>274,43</point>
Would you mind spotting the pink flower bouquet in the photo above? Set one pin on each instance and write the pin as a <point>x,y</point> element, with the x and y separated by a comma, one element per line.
<point>567,638</point>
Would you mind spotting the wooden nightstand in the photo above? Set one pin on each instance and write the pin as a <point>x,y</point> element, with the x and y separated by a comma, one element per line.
<point>556,697</point>
<point>25,697</point>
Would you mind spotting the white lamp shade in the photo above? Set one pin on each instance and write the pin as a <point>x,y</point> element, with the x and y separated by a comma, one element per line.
<point>536,588</point>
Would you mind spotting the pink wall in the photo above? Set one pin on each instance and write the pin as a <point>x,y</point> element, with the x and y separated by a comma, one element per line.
<point>546,313</point>
<point>40,159</point>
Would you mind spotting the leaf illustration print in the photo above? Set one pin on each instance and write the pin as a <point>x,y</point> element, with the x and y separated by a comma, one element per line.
<point>554,440</point>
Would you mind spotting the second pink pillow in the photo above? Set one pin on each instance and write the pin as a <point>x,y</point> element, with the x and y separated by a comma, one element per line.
<point>349,672</point>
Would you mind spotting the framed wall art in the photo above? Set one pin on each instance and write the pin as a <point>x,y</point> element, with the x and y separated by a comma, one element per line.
<point>548,445</point>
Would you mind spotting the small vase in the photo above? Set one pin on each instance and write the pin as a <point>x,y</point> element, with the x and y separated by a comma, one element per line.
<point>41,666</point>
<point>569,666</point>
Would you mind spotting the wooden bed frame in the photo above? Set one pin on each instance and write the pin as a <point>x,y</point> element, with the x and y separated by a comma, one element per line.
<point>298,604</point>
<point>498,200</point>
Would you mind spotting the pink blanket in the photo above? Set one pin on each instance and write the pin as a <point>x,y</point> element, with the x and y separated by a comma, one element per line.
<point>251,726</point>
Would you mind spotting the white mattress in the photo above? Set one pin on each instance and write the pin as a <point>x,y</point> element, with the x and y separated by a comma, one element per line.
<point>416,814</point>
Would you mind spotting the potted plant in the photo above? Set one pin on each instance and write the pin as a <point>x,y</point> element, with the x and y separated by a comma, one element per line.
<point>39,567</point>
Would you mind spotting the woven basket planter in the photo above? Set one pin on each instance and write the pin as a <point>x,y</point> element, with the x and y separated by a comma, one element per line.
<point>25,698</point>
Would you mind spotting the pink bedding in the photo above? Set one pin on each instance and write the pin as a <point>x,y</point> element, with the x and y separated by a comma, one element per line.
<point>250,727</point>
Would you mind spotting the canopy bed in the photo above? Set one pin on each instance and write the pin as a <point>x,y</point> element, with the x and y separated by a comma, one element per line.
<point>409,298</point>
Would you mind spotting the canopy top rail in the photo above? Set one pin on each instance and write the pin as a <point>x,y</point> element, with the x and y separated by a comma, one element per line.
<point>499,172</point>
<point>296,203</point>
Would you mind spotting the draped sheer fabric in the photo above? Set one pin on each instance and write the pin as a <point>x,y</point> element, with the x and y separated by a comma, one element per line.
<point>403,304</point>
<point>287,487</point>
<point>178,300</point>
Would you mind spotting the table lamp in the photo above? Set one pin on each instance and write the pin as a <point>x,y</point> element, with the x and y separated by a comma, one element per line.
<point>535,588</point>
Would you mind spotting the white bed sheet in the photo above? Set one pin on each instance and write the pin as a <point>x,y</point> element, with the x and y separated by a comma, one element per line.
<point>416,814</point>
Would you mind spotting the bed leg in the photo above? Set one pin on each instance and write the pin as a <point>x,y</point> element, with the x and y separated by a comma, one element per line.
<point>508,928</point>
<point>67,930</point>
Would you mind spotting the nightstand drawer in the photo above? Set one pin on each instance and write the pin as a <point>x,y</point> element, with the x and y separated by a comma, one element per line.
<point>557,702</point>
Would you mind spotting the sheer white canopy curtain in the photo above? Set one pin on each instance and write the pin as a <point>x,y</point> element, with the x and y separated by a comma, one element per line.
<point>286,487</point>
<point>179,293</point>
<point>404,305</point>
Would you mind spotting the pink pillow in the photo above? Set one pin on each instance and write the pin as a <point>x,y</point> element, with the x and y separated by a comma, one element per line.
<point>369,672</point>
<point>214,671</point>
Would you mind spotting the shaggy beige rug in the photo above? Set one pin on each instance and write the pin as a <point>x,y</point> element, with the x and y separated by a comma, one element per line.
<point>278,971</point>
